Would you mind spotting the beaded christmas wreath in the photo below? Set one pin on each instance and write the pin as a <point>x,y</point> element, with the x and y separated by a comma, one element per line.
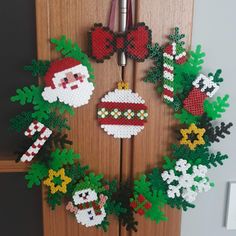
<point>89,196</point>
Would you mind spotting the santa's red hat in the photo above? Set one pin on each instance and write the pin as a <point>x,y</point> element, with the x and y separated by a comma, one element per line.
<point>58,66</point>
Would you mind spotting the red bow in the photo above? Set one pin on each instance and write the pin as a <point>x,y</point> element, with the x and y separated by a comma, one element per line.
<point>103,42</point>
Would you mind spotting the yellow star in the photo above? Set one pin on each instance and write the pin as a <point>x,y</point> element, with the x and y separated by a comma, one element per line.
<point>199,136</point>
<point>61,178</point>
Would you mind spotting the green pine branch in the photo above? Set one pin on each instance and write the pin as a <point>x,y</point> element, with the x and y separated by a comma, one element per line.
<point>26,95</point>
<point>179,203</point>
<point>158,200</point>
<point>38,68</point>
<point>59,158</point>
<point>177,37</point>
<point>35,174</point>
<point>195,61</point>
<point>185,117</point>
<point>54,199</point>
<point>214,160</point>
<point>42,109</point>
<point>217,76</point>
<point>155,74</point>
<point>21,122</point>
<point>215,108</point>
<point>69,49</point>
<point>156,180</point>
<point>169,163</point>
<point>142,186</point>
<point>113,207</point>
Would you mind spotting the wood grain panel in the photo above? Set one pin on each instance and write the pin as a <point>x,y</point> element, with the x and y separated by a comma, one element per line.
<point>150,145</point>
<point>7,166</point>
<point>74,18</point>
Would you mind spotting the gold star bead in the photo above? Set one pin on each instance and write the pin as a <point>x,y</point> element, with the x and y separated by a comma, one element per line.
<point>192,129</point>
<point>60,174</point>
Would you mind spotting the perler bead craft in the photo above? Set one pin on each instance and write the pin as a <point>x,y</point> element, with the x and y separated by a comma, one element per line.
<point>203,87</point>
<point>122,113</point>
<point>88,209</point>
<point>140,204</point>
<point>67,81</point>
<point>186,180</point>
<point>193,136</point>
<point>57,181</point>
<point>103,42</point>
<point>45,133</point>
<point>172,53</point>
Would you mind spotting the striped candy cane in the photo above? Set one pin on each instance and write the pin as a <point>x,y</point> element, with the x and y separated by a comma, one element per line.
<point>172,52</point>
<point>45,133</point>
<point>103,200</point>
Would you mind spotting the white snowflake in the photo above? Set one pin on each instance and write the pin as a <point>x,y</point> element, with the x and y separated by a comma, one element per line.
<point>173,191</point>
<point>189,184</point>
<point>182,165</point>
<point>169,176</point>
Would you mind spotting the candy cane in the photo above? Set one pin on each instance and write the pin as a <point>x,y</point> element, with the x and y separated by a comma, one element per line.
<point>172,52</point>
<point>103,200</point>
<point>45,133</point>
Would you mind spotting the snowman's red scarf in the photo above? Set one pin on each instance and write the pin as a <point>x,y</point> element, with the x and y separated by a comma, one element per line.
<point>93,204</point>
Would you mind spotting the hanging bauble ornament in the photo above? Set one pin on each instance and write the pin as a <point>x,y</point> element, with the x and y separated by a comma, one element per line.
<point>122,113</point>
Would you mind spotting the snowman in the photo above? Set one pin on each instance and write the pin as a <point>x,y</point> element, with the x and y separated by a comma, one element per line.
<point>67,80</point>
<point>88,209</point>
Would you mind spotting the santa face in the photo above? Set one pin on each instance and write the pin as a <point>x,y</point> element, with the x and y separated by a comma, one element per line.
<point>85,195</point>
<point>71,86</point>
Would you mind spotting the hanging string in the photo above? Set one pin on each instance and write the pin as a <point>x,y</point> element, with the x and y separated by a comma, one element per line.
<point>129,20</point>
<point>111,21</point>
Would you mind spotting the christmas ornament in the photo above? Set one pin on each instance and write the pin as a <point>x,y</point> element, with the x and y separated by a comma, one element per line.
<point>140,204</point>
<point>122,113</point>
<point>45,133</point>
<point>186,180</point>
<point>203,87</point>
<point>173,52</point>
<point>89,209</point>
<point>103,42</point>
<point>67,81</point>
<point>193,136</point>
<point>57,181</point>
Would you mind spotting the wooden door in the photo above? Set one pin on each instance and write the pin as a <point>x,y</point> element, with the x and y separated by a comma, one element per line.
<point>115,158</point>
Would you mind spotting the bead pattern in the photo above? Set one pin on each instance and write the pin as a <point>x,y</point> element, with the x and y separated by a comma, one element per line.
<point>62,182</point>
<point>45,133</point>
<point>122,113</point>
<point>88,209</point>
<point>172,53</point>
<point>203,87</point>
<point>198,140</point>
<point>68,81</point>
<point>186,181</point>
<point>103,42</point>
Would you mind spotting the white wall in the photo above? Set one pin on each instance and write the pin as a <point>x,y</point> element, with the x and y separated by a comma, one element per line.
<point>214,27</point>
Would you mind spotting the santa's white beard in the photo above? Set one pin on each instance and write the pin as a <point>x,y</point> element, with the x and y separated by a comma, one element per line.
<point>76,97</point>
